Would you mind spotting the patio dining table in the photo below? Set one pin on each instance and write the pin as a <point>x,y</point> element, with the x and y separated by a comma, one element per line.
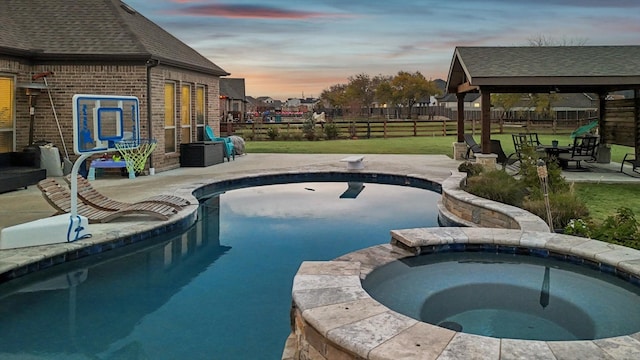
<point>553,152</point>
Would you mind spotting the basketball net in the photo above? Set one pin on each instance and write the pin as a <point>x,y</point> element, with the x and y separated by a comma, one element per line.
<point>136,153</point>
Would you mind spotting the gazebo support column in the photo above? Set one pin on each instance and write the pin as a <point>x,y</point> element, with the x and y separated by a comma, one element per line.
<point>604,149</point>
<point>485,118</point>
<point>459,147</point>
<point>636,116</point>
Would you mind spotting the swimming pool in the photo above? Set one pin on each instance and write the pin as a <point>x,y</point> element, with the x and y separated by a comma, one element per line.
<point>220,290</point>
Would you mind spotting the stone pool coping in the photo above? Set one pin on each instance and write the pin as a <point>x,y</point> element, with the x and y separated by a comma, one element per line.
<point>460,208</point>
<point>335,318</point>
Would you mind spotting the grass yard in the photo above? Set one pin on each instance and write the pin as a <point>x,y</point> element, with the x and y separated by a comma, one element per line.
<point>602,199</point>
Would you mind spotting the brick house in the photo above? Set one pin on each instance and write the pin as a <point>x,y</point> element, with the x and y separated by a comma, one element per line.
<point>232,99</point>
<point>101,47</point>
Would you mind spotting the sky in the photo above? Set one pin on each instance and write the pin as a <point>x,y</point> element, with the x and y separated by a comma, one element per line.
<point>296,49</point>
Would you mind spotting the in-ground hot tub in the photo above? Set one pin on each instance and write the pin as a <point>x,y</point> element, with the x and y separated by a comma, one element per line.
<point>507,295</point>
<point>334,316</point>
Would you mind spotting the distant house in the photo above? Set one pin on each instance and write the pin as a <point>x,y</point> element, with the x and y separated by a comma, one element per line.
<point>300,105</point>
<point>266,103</point>
<point>564,106</point>
<point>101,47</point>
<point>450,101</point>
<point>232,99</point>
<point>574,106</point>
<point>251,104</point>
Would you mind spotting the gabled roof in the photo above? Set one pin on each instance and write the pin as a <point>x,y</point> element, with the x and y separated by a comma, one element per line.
<point>233,88</point>
<point>101,30</point>
<point>541,69</point>
<point>309,101</point>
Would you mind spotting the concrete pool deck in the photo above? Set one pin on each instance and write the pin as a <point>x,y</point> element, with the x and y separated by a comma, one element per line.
<point>22,206</point>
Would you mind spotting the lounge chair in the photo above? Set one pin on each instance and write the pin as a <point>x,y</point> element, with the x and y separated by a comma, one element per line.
<point>229,148</point>
<point>59,197</point>
<point>633,161</point>
<point>89,195</point>
<point>503,159</point>
<point>472,145</point>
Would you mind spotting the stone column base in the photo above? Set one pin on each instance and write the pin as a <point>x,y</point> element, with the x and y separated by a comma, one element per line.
<point>488,161</point>
<point>459,150</point>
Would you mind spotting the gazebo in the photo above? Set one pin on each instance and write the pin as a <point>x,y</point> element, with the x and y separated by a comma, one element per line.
<point>552,69</point>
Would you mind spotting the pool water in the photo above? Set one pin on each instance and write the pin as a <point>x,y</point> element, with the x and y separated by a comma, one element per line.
<point>508,296</point>
<point>221,290</point>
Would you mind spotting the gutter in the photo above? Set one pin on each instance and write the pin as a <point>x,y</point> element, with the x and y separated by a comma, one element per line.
<point>151,63</point>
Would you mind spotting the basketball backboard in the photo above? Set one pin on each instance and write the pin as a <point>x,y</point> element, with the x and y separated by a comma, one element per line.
<point>100,121</point>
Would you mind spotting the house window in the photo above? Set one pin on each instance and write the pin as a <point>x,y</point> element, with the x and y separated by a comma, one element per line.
<point>200,111</point>
<point>169,117</point>
<point>185,114</point>
<point>7,112</point>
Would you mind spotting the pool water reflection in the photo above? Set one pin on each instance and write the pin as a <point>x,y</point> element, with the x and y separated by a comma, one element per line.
<point>221,290</point>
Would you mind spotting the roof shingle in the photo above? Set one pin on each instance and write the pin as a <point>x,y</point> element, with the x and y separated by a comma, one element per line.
<point>91,29</point>
<point>535,68</point>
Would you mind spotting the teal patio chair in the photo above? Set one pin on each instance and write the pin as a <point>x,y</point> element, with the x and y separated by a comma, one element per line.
<point>229,149</point>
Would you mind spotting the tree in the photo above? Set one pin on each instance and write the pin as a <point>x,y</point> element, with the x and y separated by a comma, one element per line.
<point>360,92</point>
<point>543,102</point>
<point>506,102</point>
<point>335,96</point>
<point>384,93</point>
<point>407,89</point>
<point>542,40</point>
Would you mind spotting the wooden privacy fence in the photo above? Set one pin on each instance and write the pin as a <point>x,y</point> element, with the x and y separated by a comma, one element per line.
<point>292,130</point>
<point>620,122</point>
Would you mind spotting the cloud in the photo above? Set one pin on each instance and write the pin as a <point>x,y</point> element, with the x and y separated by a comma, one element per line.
<point>621,4</point>
<point>250,12</point>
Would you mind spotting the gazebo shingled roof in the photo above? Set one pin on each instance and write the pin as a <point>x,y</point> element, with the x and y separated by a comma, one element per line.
<point>531,69</point>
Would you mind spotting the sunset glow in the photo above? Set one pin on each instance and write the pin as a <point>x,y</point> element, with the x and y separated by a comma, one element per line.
<point>286,49</point>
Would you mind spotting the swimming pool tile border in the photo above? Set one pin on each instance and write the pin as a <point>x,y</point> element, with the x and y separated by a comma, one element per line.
<point>55,254</point>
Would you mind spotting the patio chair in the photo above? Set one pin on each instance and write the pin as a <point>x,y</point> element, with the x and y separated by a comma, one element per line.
<point>631,159</point>
<point>59,197</point>
<point>229,148</point>
<point>88,194</point>
<point>531,139</point>
<point>519,142</point>
<point>472,145</point>
<point>583,149</point>
<point>507,162</point>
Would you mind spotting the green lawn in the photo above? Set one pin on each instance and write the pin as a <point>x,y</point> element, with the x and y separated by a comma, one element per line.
<point>602,199</point>
<point>405,145</point>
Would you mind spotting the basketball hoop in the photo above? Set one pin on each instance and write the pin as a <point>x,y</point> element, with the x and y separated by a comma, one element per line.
<point>136,153</point>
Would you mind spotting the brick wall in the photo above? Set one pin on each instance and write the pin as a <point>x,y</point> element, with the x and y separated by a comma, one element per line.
<point>163,74</point>
<point>129,80</point>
